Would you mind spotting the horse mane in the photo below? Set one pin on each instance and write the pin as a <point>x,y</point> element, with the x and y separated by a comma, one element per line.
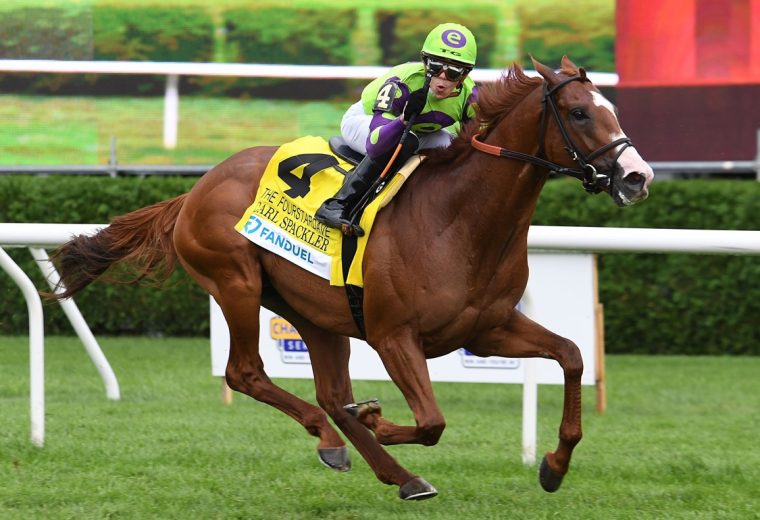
<point>495,101</point>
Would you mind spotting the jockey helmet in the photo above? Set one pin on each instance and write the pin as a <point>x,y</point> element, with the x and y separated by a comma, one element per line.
<point>451,42</point>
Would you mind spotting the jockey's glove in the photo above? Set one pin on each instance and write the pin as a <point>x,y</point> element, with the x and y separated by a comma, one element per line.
<point>415,103</point>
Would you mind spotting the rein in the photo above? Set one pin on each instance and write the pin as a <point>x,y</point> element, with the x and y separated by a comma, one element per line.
<point>593,181</point>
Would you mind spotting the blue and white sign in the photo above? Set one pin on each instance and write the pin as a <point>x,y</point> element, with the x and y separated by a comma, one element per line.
<point>560,296</point>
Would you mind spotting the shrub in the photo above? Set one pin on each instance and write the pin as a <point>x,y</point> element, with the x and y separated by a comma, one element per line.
<point>548,32</point>
<point>149,34</point>
<point>34,33</point>
<point>103,33</point>
<point>402,34</point>
<point>50,34</point>
<point>671,303</point>
<point>654,303</point>
<point>180,308</point>
<point>287,36</point>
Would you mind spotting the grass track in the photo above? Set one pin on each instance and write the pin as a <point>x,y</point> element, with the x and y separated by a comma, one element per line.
<point>678,441</point>
<point>49,130</point>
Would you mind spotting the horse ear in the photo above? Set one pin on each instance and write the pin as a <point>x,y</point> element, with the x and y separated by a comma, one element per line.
<point>549,75</point>
<point>568,64</point>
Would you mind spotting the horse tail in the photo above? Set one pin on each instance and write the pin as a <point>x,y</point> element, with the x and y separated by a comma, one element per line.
<point>141,240</point>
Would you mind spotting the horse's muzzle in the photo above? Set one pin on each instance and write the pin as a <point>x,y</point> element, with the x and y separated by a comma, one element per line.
<point>634,175</point>
<point>631,188</point>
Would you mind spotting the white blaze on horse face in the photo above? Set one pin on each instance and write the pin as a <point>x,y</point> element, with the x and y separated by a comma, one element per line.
<point>629,160</point>
<point>603,102</point>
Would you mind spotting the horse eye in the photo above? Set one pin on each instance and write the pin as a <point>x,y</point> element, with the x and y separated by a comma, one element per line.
<point>578,114</point>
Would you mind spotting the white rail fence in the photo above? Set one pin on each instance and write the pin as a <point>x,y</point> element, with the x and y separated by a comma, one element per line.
<point>37,237</point>
<point>173,70</point>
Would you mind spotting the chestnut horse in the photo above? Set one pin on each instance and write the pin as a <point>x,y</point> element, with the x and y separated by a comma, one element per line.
<point>445,265</point>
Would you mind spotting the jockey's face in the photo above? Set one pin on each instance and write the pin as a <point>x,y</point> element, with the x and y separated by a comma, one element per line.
<point>442,87</point>
<point>446,76</point>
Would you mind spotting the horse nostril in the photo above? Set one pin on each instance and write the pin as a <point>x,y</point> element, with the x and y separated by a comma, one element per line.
<point>635,180</point>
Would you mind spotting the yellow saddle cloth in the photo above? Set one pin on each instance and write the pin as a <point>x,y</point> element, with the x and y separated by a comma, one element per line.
<point>300,176</point>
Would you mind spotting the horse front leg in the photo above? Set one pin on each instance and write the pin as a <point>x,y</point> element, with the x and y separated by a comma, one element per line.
<point>406,364</point>
<point>400,362</point>
<point>245,372</point>
<point>329,354</point>
<point>520,337</point>
<point>388,433</point>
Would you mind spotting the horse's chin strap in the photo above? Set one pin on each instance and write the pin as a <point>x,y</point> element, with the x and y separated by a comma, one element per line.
<point>593,181</point>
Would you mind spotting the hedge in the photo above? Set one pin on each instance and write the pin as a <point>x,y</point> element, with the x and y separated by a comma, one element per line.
<point>150,34</point>
<point>352,33</point>
<point>286,36</point>
<point>104,33</point>
<point>181,308</point>
<point>654,303</point>
<point>672,303</point>
<point>588,40</point>
<point>63,33</point>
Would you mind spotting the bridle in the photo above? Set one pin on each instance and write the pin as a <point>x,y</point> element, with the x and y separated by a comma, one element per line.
<point>593,181</point>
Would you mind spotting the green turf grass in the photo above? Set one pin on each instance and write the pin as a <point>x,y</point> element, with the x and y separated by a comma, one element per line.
<point>679,440</point>
<point>42,130</point>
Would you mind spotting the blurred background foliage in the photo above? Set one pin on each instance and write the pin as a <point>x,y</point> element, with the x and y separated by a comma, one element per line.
<point>287,32</point>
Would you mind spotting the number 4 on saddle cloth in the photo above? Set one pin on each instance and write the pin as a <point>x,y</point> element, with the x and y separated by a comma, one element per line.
<point>300,176</point>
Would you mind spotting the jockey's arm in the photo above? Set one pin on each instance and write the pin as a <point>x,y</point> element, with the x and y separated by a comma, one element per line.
<point>387,124</point>
<point>385,131</point>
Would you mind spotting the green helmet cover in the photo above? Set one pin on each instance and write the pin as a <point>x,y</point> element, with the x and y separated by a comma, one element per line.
<point>451,41</point>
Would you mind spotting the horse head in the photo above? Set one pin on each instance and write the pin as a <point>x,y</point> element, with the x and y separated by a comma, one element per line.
<point>582,134</point>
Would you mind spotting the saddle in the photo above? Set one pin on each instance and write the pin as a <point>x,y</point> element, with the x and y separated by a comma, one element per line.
<point>340,148</point>
<point>298,178</point>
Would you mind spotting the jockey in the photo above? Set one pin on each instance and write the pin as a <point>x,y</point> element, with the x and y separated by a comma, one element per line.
<point>437,91</point>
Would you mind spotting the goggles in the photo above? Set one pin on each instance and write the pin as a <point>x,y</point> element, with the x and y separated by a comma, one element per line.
<point>452,72</point>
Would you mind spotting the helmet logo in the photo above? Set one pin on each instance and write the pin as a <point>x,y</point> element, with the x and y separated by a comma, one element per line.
<point>454,38</point>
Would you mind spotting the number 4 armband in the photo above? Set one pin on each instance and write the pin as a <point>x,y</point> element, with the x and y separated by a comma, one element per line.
<point>385,97</point>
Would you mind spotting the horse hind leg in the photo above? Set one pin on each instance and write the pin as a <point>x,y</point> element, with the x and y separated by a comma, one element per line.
<point>521,337</point>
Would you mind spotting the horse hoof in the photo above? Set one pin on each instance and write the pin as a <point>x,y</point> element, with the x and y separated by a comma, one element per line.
<point>335,458</point>
<point>549,480</point>
<point>417,489</point>
<point>355,408</point>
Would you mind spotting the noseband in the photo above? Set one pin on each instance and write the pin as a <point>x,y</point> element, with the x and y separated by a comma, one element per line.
<point>593,181</point>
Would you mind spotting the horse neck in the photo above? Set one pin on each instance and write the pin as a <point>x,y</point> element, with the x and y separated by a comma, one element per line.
<point>496,196</point>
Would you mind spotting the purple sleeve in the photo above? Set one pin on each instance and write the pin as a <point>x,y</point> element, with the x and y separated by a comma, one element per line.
<point>384,131</point>
<point>472,100</point>
<point>389,134</point>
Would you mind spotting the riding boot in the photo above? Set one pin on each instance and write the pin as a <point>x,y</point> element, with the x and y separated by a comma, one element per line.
<point>335,211</point>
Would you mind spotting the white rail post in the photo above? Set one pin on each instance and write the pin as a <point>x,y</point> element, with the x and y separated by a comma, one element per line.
<point>36,347</point>
<point>530,396</point>
<point>757,157</point>
<point>80,326</point>
<point>171,111</point>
